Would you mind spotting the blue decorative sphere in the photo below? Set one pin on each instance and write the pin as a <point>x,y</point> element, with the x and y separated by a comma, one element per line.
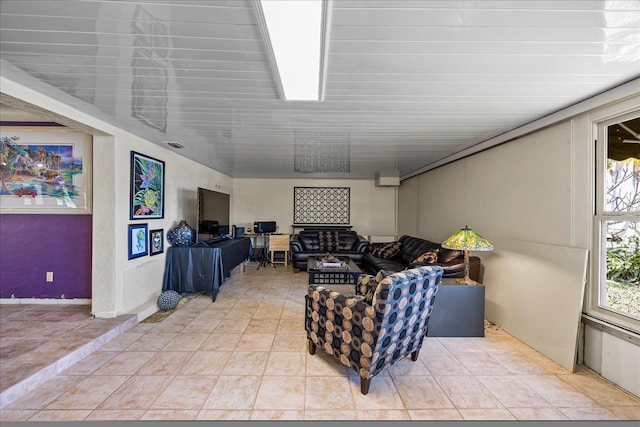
<point>181,235</point>
<point>168,300</point>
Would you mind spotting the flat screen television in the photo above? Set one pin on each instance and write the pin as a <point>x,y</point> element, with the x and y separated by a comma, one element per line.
<point>213,214</point>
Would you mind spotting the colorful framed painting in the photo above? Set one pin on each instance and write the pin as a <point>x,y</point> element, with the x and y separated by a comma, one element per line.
<point>147,187</point>
<point>44,170</point>
<point>138,240</point>
<point>156,240</point>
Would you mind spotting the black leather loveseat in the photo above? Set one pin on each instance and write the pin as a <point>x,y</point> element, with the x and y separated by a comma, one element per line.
<point>318,242</point>
<point>411,249</point>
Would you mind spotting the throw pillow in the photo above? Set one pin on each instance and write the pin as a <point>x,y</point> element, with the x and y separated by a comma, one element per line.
<point>429,257</point>
<point>328,240</point>
<point>387,250</point>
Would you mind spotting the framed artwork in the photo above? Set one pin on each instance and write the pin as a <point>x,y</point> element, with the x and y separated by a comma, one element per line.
<point>147,187</point>
<point>44,170</point>
<point>138,240</point>
<point>156,240</point>
<point>321,205</point>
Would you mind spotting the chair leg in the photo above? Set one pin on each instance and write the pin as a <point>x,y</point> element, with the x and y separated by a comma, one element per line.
<point>364,385</point>
<point>312,348</point>
<point>414,355</point>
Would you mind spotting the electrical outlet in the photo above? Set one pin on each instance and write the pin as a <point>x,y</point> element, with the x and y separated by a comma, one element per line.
<point>49,276</point>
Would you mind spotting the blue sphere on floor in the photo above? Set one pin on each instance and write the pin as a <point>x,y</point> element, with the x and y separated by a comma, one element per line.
<point>168,300</point>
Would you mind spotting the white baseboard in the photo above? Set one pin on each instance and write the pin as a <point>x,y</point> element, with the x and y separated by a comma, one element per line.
<point>104,314</point>
<point>145,310</point>
<point>78,301</point>
<point>146,313</point>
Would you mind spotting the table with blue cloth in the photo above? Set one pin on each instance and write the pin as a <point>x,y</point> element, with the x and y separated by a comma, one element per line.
<point>203,267</point>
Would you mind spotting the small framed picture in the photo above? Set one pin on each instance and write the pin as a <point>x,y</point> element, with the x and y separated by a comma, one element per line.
<point>138,240</point>
<point>156,240</point>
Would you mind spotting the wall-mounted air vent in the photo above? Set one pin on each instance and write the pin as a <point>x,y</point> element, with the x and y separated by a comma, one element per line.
<point>175,144</point>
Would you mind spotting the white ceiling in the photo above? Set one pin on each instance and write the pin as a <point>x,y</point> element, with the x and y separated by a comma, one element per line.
<point>409,83</point>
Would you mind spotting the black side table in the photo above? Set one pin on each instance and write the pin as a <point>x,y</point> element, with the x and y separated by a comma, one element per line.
<point>458,311</point>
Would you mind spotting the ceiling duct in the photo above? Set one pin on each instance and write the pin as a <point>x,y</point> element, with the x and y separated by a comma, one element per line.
<point>388,179</point>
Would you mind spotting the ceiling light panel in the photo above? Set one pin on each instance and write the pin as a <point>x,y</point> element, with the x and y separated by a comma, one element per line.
<point>294,31</point>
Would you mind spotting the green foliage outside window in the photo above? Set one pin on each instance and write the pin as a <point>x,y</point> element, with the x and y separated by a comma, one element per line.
<point>623,262</point>
<point>623,276</point>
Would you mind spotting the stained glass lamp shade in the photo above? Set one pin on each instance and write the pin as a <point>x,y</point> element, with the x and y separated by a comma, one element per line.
<point>467,240</point>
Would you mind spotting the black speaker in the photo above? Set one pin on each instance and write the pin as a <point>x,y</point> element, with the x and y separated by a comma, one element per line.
<point>264,227</point>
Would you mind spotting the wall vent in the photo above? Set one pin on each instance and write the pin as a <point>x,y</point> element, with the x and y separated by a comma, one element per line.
<point>175,145</point>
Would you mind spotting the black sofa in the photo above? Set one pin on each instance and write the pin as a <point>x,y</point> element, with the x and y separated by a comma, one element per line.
<point>411,248</point>
<point>339,242</point>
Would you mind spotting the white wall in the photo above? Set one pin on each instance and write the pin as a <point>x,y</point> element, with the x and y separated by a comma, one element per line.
<point>139,281</point>
<point>516,194</point>
<point>518,190</point>
<point>532,197</point>
<point>613,356</point>
<point>120,285</point>
<point>408,216</point>
<point>372,210</point>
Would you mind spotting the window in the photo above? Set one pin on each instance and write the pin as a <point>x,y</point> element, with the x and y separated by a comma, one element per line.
<point>615,292</point>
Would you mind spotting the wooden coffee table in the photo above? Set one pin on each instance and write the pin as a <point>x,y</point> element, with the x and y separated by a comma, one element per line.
<point>346,274</point>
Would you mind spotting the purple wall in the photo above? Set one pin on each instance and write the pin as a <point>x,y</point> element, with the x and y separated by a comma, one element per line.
<point>31,245</point>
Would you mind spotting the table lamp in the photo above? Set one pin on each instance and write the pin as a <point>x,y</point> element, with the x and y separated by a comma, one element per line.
<point>467,240</point>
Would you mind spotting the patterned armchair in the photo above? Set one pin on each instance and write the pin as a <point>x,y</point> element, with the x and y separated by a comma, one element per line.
<point>384,323</point>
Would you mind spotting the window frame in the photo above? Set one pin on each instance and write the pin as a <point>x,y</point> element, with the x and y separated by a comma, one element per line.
<point>600,217</point>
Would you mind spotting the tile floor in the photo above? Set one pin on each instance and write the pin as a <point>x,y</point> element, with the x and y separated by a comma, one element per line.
<point>245,357</point>
<point>39,341</point>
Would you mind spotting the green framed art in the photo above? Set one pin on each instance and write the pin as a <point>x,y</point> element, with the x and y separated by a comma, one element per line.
<point>147,187</point>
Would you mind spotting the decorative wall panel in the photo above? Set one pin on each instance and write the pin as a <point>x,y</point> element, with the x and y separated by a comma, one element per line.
<point>321,205</point>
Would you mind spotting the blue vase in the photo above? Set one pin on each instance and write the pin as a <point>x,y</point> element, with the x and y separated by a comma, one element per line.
<point>181,234</point>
